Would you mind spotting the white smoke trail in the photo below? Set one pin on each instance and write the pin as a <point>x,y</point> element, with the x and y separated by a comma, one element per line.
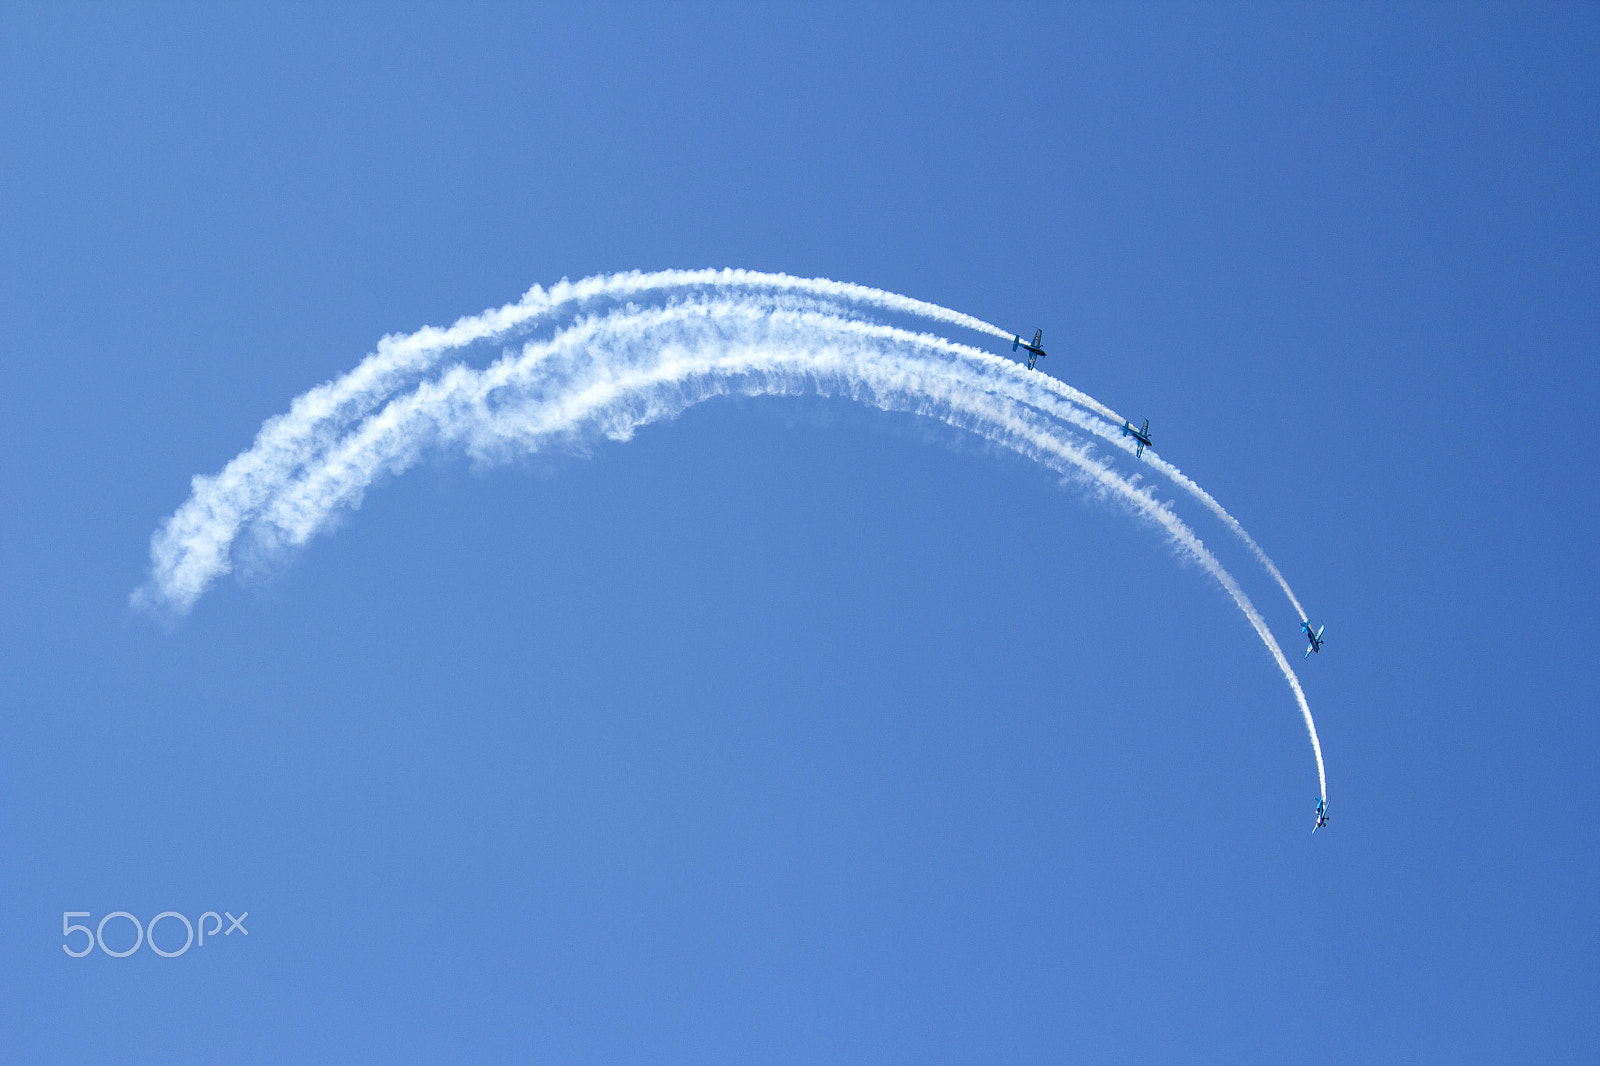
<point>609,375</point>
<point>1179,478</point>
<point>196,539</point>
<point>1113,434</point>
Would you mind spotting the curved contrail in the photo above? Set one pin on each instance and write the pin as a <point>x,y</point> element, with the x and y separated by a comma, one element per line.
<point>195,541</point>
<point>220,505</point>
<point>606,375</point>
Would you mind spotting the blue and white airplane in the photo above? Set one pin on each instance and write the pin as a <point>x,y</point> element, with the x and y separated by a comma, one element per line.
<point>1033,350</point>
<point>1140,435</point>
<point>1315,639</point>
<point>1322,816</point>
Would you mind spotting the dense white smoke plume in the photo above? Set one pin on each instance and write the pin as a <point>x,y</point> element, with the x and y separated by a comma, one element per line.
<point>606,365</point>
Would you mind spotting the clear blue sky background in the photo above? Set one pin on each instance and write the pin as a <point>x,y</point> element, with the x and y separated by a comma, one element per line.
<point>788,731</point>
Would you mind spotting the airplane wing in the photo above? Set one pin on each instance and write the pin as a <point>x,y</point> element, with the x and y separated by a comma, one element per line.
<point>1146,430</point>
<point>1038,335</point>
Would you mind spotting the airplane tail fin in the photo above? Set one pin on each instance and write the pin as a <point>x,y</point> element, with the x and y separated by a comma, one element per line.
<point>1015,341</point>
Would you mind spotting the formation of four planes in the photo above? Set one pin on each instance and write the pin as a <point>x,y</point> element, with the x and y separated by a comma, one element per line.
<point>1142,436</point>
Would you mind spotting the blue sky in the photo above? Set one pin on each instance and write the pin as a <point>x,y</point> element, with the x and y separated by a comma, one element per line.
<point>790,730</point>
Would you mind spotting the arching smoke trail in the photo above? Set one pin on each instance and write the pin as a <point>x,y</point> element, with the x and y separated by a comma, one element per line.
<point>606,376</point>
<point>219,505</point>
<point>204,527</point>
<point>1181,479</point>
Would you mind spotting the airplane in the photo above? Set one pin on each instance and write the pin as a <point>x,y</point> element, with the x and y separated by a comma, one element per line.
<point>1314,638</point>
<point>1034,351</point>
<point>1322,815</point>
<point>1140,435</point>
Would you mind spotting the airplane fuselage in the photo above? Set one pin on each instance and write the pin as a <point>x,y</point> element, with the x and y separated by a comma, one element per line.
<point>1313,637</point>
<point>1034,350</point>
<point>1142,436</point>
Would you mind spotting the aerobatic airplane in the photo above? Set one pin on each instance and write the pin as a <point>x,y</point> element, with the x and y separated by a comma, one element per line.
<point>1140,435</point>
<point>1315,639</point>
<point>1322,815</point>
<point>1034,351</point>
